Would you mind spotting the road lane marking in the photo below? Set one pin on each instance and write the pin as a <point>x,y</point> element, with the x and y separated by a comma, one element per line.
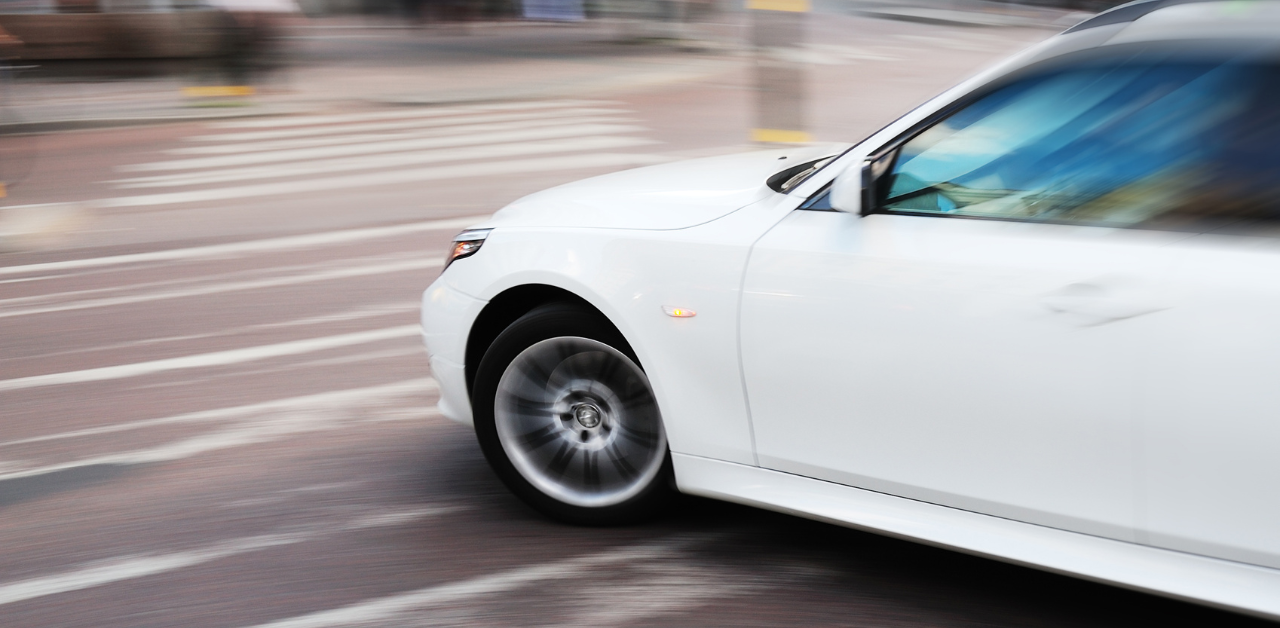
<point>372,162</point>
<point>110,571</point>
<point>266,123</point>
<point>113,570</point>
<point>322,400</point>
<point>254,136</point>
<point>370,311</point>
<point>418,175</point>
<point>276,497</point>
<point>253,429</point>
<point>269,245</point>
<point>256,271</point>
<point>659,588</point>
<point>367,148</point>
<point>352,139</point>
<point>231,286</point>
<point>352,314</point>
<point>205,360</point>
<point>276,369</point>
<point>368,356</point>
<point>389,607</point>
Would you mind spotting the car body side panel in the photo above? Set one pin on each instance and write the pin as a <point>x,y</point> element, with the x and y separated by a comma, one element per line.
<point>1237,586</point>
<point>630,275</point>
<point>923,356</point>
<point>1209,420</point>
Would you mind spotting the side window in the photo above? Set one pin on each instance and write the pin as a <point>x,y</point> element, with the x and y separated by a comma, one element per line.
<point>1130,143</point>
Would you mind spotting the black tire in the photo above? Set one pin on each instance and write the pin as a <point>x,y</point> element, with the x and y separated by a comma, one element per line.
<point>571,337</point>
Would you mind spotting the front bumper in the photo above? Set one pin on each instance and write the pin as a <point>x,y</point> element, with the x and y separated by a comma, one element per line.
<point>447,316</point>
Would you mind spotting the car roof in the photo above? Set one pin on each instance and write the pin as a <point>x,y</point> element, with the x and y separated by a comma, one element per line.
<point>1223,25</point>
<point>1154,20</point>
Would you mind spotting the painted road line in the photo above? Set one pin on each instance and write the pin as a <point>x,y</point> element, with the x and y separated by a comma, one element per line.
<point>368,356</point>
<point>179,281</point>
<point>250,371</point>
<point>375,162</point>
<point>118,569</point>
<point>253,429</point>
<point>382,609</point>
<point>661,588</point>
<point>417,175</point>
<point>335,274</point>
<point>254,136</point>
<point>357,313</point>
<point>338,398</point>
<point>367,148</point>
<point>266,429</point>
<point>268,245</point>
<point>206,360</point>
<point>340,138</point>
<point>373,311</point>
<point>422,112</point>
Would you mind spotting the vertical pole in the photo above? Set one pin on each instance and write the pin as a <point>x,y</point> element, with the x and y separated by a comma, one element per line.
<point>777,25</point>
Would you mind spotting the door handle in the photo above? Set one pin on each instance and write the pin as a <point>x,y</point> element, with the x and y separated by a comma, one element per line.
<point>1097,304</point>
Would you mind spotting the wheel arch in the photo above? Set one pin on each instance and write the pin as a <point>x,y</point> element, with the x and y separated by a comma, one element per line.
<point>508,306</point>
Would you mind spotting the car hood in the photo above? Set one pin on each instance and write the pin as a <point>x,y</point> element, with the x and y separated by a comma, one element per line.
<point>668,196</point>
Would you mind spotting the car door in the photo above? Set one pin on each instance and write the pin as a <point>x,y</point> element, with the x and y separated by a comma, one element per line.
<point>1211,423</point>
<point>979,339</point>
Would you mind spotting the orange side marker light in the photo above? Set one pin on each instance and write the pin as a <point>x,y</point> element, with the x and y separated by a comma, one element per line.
<point>678,312</point>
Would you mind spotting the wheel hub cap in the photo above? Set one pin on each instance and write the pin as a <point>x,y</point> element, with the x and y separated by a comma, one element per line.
<point>587,415</point>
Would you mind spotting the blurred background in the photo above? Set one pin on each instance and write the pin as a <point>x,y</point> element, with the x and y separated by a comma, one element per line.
<point>218,217</point>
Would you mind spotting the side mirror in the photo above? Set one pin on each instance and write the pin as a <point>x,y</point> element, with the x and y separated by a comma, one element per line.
<point>847,189</point>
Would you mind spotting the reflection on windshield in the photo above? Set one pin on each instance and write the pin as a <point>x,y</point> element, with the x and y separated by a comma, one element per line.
<point>1105,144</point>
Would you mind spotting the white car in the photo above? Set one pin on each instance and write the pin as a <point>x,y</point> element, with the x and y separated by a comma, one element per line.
<point>1036,319</point>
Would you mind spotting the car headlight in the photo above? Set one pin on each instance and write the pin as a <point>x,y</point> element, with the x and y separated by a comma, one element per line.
<point>466,244</point>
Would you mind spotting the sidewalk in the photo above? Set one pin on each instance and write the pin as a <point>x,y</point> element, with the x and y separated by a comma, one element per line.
<point>353,62</point>
<point>359,62</point>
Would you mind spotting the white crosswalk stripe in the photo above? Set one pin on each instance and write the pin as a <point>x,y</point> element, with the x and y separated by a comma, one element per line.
<point>460,130</point>
<point>299,154</point>
<point>321,166</point>
<point>413,123</point>
<point>390,177</point>
<point>402,113</point>
<point>375,147</point>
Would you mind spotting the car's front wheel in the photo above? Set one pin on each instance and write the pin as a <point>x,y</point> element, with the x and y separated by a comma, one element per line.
<point>567,418</point>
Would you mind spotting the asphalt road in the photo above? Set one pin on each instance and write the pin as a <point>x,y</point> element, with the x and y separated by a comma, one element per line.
<point>216,411</point>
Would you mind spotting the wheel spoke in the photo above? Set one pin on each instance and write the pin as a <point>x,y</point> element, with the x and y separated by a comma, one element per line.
<point>641,438</point>
<point>636,395</point>
<point>535,371</point>
<point>611,368</point>
<point>541,436</point>
<point>560,463</point>
<point>530,407</point>
<point>624,468</point>
<point>591,468</point>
